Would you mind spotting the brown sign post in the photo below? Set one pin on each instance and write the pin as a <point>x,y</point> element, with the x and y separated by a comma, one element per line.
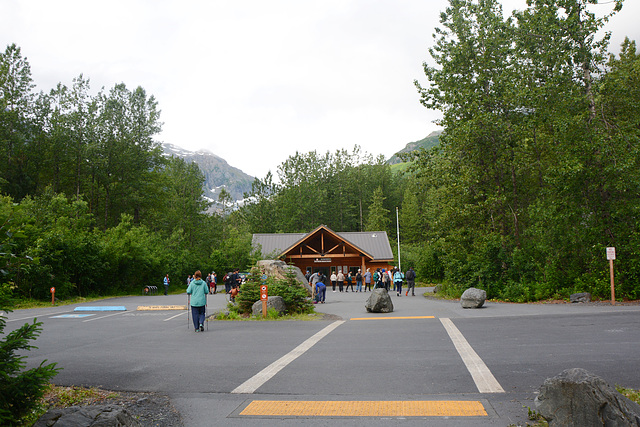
<point>611,255</point>
<point>53,295</point>
<point>264,296</point>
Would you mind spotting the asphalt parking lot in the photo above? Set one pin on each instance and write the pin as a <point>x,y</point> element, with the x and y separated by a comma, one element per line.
<point>411,366</point>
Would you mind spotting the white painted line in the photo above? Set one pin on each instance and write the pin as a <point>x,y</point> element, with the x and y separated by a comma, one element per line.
<point>482,376</point>
<point>173,317</point>
<point>102,317</point>
<point>32,317</point>
<point>253,383</point>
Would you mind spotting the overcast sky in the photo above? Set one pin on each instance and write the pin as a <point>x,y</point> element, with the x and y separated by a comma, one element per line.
<point>254,81</point>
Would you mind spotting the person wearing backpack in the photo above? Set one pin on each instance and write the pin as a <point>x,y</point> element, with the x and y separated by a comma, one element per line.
<point>397,281</point>
<point>386,283</point>
<point>358,281</point>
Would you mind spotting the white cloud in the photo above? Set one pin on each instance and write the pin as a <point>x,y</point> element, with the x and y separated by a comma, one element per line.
<point>250,80</point>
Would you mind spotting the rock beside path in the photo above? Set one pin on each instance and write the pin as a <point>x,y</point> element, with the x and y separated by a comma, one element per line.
<point>278,269</point>
<point>276,302</point>
<point>473,298</point>
<point>580,297</point>
<point>88,416</point>
<point>579,398</point>
<point>379,301</point>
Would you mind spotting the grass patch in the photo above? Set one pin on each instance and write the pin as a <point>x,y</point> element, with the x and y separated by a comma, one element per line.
<point>232,313</point>
<point>65,397</point>
<point>629,393</point>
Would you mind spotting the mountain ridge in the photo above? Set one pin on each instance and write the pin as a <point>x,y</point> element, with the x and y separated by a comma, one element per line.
<point>218,174</point>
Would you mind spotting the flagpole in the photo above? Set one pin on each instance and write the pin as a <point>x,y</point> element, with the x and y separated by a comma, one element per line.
<point>398,234</point>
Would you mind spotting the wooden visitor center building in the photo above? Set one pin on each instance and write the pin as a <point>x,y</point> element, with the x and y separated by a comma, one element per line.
<point>328,251</point>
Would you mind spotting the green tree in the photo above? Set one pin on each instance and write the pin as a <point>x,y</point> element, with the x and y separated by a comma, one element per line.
<point>20,389</point>
<point>16,108</point>
<point>378,219</point>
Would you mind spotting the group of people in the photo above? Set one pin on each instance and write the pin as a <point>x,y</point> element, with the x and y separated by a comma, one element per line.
<point>381,278</point>
<point>385,278</point>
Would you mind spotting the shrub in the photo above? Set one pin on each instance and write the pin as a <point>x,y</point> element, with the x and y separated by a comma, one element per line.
<point>20,391</point>
<point>296,297</point>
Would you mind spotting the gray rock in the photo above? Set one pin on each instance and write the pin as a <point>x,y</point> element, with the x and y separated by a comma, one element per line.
<point>473,298</point>
<point>437,288</point>
<point>579,398</point>
<point>581,297</point>
<point>379,302</point>
<point>276,302</point>
<point>278,269</point>
<point>88,416</point>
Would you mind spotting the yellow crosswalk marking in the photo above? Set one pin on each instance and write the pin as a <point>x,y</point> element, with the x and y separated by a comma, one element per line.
<point>392,318</point>
<point>312,408</point>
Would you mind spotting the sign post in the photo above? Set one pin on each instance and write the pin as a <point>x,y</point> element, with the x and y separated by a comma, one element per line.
<point>611,255</point>
<point>53,295</point>
<point>264,296</point>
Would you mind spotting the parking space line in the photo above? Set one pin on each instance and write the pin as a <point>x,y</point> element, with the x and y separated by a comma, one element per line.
<point>173,317</point>
<point>32,317</point>
<point>253,383</point>
<point>102,317</point>
<point>482,376</point>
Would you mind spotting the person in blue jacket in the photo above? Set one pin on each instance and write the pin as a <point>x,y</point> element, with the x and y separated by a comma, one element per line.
<point>198,290</point>
<point>397,281</point>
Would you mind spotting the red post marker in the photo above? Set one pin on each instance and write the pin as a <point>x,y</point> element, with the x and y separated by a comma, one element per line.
<point>53,295</point>
<point>264,297</point>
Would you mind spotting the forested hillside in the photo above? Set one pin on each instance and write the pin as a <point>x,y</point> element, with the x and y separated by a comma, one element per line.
<point>90,204</point>
<point>535,174</point>
<point>426,143</point>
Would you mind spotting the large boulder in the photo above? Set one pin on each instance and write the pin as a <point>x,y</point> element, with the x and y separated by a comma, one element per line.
<point>276,302</point>
<point>579,398</point>
<point>278,269</point>
<point>580,297</point>
<point>379,302</point>
<point>473,298</point>
<point>88,416</point>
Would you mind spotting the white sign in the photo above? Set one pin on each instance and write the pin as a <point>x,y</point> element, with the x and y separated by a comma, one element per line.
<point>322,260</point>
<point>611,253</point>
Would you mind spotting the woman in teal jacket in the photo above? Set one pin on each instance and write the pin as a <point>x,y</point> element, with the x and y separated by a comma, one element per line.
<point>198,290</point>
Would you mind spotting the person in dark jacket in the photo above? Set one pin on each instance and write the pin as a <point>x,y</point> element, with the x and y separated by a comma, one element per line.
<point>411,281</point>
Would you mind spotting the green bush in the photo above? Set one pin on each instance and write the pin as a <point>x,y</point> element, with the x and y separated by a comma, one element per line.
<point>296,297</point>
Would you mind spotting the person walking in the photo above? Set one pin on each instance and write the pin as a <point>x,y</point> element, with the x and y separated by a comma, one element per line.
<point>367,280</point>
<point>397,281</point>
<point>358,281</point>
<point>333,279</point>
<point>385,280</point>
<point>349,280</point>
<point>376,278</point>
<point>411,281</point>
<point>166,284</point>
<point>228,279</point>
<point>198,290</point>
<point>340,280</point>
